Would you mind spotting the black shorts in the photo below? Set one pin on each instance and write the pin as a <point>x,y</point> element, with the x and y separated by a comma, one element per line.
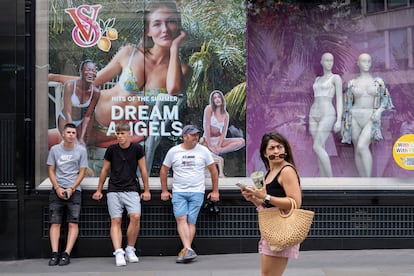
<point>57,205</point>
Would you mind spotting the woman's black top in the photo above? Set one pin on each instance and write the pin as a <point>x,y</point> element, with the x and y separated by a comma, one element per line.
<point>274,188</point>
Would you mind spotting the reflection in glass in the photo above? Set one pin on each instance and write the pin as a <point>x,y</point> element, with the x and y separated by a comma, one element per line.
<point>375,6</point>
<point>392,4</point>
<point>398,49</point>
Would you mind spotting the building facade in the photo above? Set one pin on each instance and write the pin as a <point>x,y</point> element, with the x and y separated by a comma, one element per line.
<point>351,212</point>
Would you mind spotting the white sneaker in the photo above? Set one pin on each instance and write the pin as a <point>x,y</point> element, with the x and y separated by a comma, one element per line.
<point>120,257</point>
<point>130,255</point>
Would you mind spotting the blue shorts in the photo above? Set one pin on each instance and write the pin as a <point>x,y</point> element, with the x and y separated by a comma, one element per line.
<point>117,201</point>
<point>187,204</point>
<point>57,205</point>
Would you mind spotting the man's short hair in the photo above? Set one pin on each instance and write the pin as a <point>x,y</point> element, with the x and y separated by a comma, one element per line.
<point>69,125</point>
<point>122,126</point>
<point>190,129</point>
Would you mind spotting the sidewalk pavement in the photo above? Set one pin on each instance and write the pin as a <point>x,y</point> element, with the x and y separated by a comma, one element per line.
<point>396,262</point>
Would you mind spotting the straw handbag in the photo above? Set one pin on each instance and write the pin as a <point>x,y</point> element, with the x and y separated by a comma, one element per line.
<point>282,230</point>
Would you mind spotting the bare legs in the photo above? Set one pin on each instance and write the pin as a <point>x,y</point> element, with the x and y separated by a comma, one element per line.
<point>186,231</point>
<point>220,164</point>
<point>132,231</point>
<point>273,266</point>
<point>229,145</point>
<point>54,233</point>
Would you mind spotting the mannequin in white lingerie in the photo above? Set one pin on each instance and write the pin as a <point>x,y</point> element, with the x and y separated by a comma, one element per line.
<point>366,97</point>
<point>322,115</point>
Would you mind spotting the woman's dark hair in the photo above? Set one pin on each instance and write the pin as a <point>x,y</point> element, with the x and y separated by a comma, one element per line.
<point>280,139</point>
<point>153,6</point>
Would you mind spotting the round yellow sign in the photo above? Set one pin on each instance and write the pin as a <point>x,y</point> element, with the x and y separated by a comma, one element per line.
<point>403,151</point>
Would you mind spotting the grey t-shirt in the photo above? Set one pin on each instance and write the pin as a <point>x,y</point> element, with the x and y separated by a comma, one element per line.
<point>67,163</point>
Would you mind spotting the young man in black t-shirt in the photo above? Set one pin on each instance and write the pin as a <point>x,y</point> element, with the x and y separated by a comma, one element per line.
<point>121,160</point>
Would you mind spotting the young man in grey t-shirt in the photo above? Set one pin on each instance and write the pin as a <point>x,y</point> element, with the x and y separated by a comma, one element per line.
<point>67,163</point>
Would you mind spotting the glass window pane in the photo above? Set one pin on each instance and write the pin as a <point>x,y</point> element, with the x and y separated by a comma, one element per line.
<point>398,49</point>
<point>375,6</point>
<point>376,47</point>
<point>396,3</point>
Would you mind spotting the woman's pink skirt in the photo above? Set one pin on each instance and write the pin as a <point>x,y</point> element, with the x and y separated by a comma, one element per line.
<point>290,252</point>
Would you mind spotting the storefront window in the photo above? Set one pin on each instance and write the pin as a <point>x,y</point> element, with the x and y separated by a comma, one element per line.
<point>120,38</point>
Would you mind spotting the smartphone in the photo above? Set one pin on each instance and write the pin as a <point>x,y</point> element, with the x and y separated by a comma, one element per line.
<point>241,185</point>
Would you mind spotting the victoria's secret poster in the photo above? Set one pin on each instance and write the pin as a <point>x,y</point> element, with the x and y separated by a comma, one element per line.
<point>154,64</point>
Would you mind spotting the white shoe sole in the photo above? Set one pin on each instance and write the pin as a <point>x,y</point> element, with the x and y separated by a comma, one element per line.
<point>132,261</point>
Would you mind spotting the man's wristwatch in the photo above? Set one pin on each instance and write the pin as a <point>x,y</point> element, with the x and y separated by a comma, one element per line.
<point>266,200</point>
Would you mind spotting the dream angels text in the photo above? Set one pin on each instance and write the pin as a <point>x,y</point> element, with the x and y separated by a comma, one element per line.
<point>147,120</point>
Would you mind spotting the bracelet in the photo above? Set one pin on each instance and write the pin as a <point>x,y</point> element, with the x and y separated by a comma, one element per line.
<point>72,189</point>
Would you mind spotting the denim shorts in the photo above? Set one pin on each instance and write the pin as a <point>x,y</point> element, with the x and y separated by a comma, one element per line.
<point>57,206</point>
<point>117,201</point>
<point>187,204</point>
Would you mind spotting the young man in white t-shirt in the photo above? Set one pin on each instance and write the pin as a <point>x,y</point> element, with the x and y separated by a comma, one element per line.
<point>188,162</point>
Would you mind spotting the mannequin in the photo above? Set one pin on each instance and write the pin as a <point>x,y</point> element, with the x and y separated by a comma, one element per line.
<point>322,115</point>
<point>366,97</point>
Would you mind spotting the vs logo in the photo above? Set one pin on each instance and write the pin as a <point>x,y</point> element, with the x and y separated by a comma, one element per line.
<point>87,31</point>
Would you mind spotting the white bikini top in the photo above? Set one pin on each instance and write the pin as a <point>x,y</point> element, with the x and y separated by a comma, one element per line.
<point>369,90</point>
<point>323,89</point>
<point>215,123</point>
<point>75,100</point>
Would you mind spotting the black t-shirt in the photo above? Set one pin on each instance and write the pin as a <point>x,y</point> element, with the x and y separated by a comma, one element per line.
<point>124,164</point>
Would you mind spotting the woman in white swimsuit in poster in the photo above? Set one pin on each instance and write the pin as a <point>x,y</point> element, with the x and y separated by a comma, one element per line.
<point>80,96</point>
<point>215,124</point>
<point>322,116</point>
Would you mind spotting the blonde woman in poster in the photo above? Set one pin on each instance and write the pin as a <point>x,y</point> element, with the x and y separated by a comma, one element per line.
<point>163,71</point>
<point>323,116</point>
<point>366,97</point>
<point>146,72</point>
<point>216,123</point>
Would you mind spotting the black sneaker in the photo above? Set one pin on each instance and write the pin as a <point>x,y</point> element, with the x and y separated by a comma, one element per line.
<point>54,259</point>
<point>64,259</point>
